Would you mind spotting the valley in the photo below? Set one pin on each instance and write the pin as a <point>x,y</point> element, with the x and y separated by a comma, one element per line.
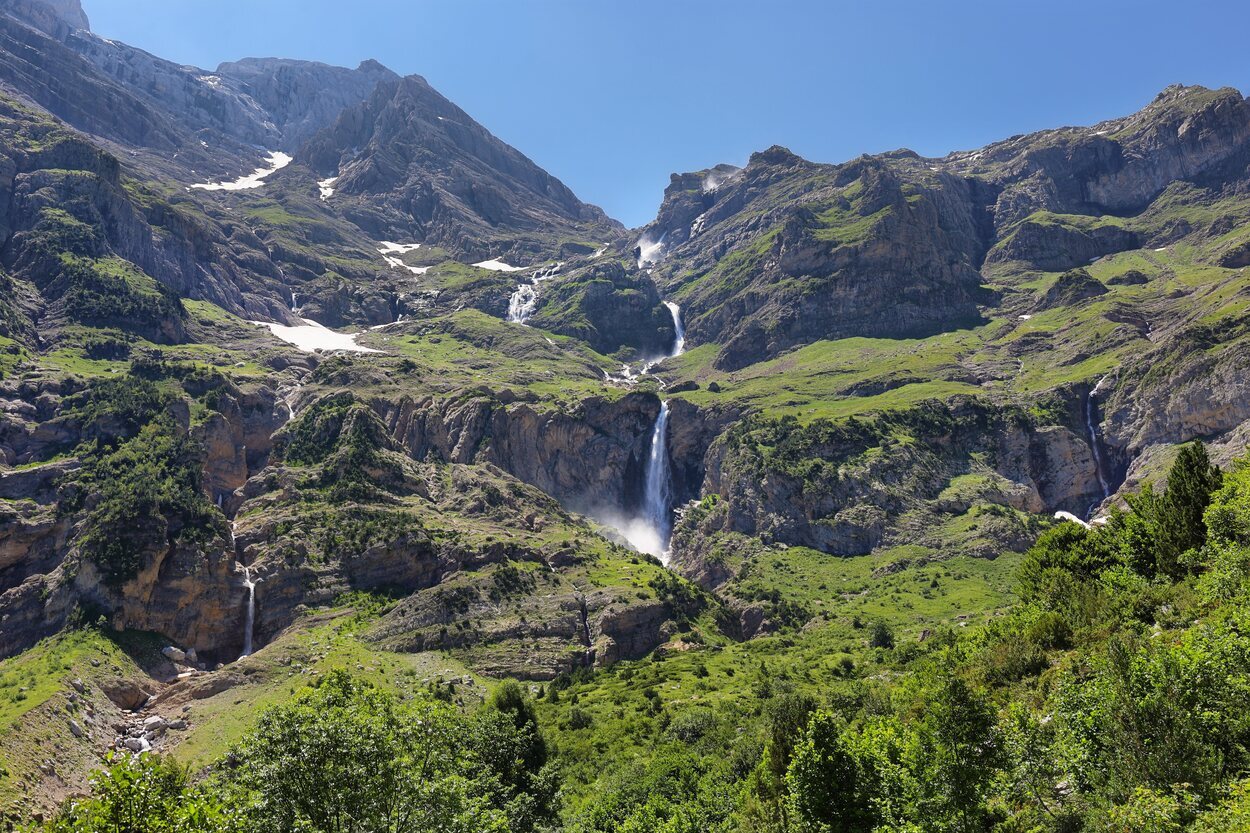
<point>798,450</point>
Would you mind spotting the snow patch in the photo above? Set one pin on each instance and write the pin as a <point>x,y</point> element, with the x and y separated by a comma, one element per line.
<point>327,187</point>
<point>311,337</point>
<point>498,266</point>
<point>396,263</point>
<point>277,161</point>
<point>389,248</point>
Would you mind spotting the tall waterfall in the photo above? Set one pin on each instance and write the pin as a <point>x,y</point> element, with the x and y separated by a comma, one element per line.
<point>652,531</point>
<point>657,495</point>
<point>679,345</point>
<point>1095,440</point>
<point>250,623</point>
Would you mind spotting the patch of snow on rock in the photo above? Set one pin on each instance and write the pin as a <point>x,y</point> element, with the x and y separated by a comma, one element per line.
<point>327,187</point>
<point>388,248</point>
<point>498,266</point>
<point>396,263</point>
<point>311,337</point>
<point>277,161</point>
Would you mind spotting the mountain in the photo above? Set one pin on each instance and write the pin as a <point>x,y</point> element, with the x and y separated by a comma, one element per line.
<point>302,369</point>
<point>411,164</point>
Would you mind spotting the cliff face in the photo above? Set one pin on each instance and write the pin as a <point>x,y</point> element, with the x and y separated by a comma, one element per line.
<point>858,489</point>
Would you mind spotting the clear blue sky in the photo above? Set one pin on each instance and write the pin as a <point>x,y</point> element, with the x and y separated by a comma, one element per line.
<point>613,95</point>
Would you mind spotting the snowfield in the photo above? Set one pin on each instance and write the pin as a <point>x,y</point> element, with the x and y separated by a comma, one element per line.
<point>277,161</point>
<point>311,337</point>
<point>498,266</point>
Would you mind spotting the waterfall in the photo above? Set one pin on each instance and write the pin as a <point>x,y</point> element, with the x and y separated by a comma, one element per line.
<point>679,343</point>
<point>250,622</point>
<point>294,303</point>
<point>649,250</point>
<point>652,531</point>
<point>1095,440</point>
<point>652,534</point>
<point>522,303</point>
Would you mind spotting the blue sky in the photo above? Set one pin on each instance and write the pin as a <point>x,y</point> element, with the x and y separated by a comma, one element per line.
<point>613,95</point>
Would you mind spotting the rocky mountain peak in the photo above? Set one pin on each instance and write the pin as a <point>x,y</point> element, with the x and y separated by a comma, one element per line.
<point>429,170</point>
<point>776,155</point>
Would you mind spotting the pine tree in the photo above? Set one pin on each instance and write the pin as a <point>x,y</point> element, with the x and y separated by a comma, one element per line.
<point>1180,526</point>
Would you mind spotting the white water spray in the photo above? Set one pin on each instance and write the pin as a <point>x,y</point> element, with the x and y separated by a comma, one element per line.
<point>649,251</point>
<point>250,622</point>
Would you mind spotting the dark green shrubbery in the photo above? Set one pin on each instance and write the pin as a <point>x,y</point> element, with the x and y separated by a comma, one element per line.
<point>343,757</point>
<point>140,487</point>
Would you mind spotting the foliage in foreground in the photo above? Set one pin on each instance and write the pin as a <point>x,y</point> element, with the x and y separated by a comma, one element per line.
<point>1111,699</point>
<point>343,758</point>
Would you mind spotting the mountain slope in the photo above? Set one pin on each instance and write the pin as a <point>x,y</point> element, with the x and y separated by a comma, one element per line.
<point>410,162</point>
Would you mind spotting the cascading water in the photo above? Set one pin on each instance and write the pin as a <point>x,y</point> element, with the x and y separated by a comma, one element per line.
<point>653,531</point>
<point>657,496</point>
<point>1095,441</point>
<point>679,345</point>
<point>250,622</point>
<point>523,302</point>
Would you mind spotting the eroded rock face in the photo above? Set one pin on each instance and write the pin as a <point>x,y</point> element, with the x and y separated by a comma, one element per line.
<point>56,17</point>
<point>585,459</point>
<point>303,97</point>
<point>767,264</point>
<point>859,496</point>
<point>1178,392</point>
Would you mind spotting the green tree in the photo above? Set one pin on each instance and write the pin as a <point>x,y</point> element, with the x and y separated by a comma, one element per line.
<point>144,794</point>
<point>828,789</point>
<point>507,743</point>
<point>350,759</point>
<point>954,756</point>
<point>1181,526</point>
